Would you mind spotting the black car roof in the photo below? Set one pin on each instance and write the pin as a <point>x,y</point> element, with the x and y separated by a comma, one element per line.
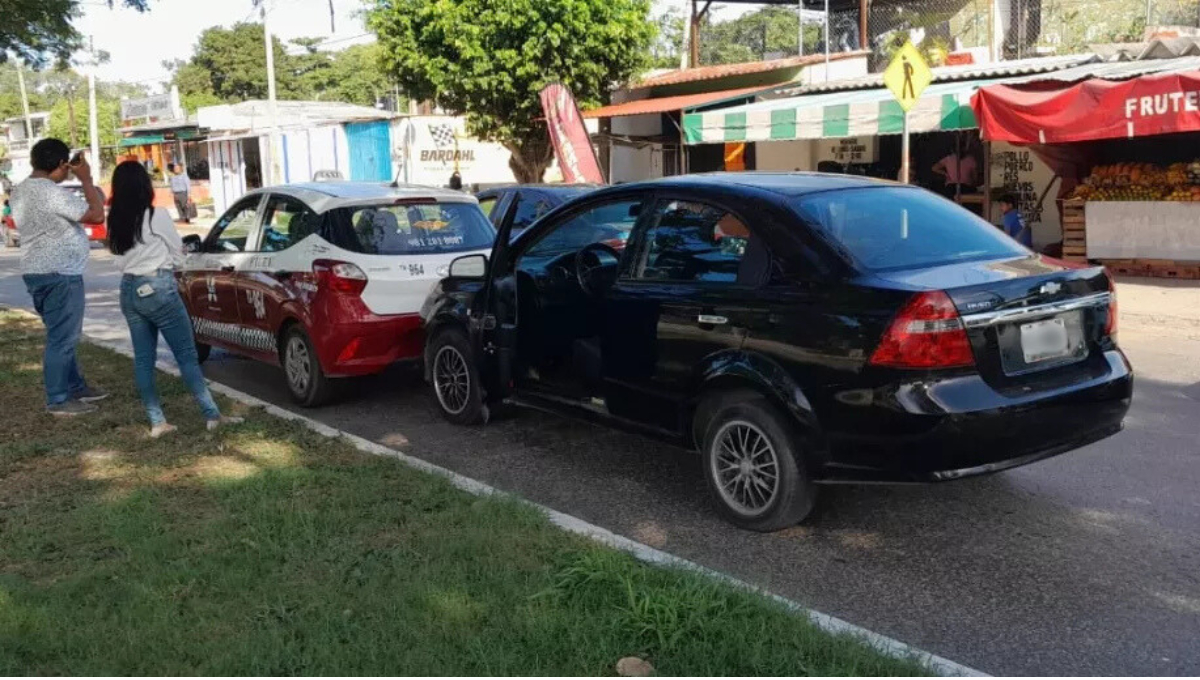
<point>788,184</point>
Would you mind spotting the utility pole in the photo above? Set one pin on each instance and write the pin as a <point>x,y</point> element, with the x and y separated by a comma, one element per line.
<point>863,41</point>
<point>271,169</point>
<point>25,103</point>
<point>827,41</point>
<point>93,119</point>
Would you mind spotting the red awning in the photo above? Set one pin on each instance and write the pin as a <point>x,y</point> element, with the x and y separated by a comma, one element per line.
<point>665,104</point>
<point>1049,112</point>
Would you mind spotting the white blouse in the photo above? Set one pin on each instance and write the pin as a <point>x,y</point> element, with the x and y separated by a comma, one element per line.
<point>161,246</point>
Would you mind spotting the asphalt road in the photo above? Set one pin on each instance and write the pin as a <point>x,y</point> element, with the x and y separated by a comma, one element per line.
<point>1083,564</point>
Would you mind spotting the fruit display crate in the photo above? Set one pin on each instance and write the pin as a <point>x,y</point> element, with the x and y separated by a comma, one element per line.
<point>1074,226</point>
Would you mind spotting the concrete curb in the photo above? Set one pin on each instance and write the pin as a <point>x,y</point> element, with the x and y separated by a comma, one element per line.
<point>645,553</point>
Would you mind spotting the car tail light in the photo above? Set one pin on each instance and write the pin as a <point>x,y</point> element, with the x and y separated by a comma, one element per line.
<point>340,277</point>
<point>1110,328</point>
<point>926,333</point>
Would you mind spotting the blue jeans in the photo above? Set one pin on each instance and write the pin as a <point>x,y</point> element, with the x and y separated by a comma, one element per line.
<point>58,299</point>
<point>159,309</point>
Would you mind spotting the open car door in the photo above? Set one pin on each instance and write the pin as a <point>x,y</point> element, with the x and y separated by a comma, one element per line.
<point>494,316</point>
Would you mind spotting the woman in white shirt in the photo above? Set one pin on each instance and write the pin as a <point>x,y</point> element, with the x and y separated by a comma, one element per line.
<point>148,249</point>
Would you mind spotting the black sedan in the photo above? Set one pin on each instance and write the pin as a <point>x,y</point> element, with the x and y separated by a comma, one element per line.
<point>530,201</point>
<point>796,329</point>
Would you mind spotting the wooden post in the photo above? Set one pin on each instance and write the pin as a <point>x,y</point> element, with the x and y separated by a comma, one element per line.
<point>863,39</point>
<point>694,37</point>
<point>987,181</point>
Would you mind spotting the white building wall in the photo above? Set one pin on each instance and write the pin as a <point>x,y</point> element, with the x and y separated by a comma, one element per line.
<point>226,173</point>
<point>793,155</point>
<point>632,164</point>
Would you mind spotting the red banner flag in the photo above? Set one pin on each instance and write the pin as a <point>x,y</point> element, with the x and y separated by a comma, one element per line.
<point>576,157</point>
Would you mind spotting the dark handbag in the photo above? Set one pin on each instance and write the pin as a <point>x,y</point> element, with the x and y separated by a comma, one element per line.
<point>191,209</point>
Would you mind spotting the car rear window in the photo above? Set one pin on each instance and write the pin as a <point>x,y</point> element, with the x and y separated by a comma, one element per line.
<point>409,228</point>
<point>887,228</point>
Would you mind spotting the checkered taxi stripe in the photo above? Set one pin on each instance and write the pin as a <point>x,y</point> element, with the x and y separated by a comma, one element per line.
<point>252,338</point>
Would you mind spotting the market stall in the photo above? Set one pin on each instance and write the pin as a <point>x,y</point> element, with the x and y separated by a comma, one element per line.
<point>1126,140</point>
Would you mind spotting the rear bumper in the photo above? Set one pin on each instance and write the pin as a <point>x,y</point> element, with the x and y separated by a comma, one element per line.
<point>368,345</point>
<point>947,431</point>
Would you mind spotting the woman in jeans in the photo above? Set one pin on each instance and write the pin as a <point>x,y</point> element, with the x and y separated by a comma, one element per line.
<point>148,249</point>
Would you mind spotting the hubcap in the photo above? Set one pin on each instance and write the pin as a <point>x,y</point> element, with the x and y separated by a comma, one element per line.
<point>451,379</point>
<point>298,365</point>
<point>745,466</point>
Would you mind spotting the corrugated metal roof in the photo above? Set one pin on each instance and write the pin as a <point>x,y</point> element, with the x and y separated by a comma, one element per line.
<point>1121,70</point>
<point>665,104</point>
<point>944,74</point>
<point>689,75</point>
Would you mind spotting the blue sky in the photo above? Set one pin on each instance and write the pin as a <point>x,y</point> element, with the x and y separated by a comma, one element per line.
<point>138,43</point>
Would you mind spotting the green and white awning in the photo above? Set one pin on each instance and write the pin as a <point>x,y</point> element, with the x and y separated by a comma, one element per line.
<point>943,106</point>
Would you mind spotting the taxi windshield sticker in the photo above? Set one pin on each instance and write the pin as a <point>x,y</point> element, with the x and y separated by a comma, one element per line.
<point>430,225</point>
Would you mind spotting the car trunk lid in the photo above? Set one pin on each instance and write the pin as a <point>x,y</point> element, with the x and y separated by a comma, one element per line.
<point>1027,318</point>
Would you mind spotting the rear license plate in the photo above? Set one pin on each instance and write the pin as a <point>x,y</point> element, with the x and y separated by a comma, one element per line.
<point>1043,340</point>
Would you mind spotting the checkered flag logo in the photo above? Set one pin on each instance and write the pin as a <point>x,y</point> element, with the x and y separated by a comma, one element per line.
<point>443,135</point>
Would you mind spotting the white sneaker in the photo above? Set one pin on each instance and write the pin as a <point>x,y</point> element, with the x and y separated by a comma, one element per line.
<point>224,420</point>
<point>161,430</point>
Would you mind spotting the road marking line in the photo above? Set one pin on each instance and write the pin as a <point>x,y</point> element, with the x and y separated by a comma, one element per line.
<point>645,553</point>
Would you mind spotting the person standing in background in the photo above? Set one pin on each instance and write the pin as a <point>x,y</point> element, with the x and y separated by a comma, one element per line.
<point>148,250</point>
<point>959,171</point>
<point>54,256</point>
<point>1014,224</point>
<point>180,187</point>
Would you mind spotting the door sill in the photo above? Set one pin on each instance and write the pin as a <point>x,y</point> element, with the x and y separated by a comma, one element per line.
<point>597,414</point>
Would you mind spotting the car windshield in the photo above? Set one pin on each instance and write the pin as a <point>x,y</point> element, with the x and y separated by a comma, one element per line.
<point>887,228</point>
<point>409,228</point>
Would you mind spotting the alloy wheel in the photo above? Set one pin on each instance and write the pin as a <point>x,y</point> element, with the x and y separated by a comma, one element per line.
<point>298,365</point>
<point>451,379</point>
<point>745,466</point>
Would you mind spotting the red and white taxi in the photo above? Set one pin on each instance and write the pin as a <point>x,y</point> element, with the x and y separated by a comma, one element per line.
<point>326,279</point>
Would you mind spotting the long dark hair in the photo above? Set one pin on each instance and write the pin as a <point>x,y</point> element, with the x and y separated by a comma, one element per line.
<point>132,196</point>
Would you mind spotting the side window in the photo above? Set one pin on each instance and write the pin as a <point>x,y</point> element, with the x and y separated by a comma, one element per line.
<point>609,223</point>
<point>286,223</point>
<point>229,234</point>
<point>487,204</point>
<point>529,208</point>
<point>689,241</point>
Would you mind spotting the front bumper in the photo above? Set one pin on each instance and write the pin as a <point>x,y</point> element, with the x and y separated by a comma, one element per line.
<point>978,436</point>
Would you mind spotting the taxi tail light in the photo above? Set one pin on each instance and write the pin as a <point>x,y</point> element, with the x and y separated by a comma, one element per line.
<point>926,333</point>
<point>1110,327</point>
<point>340,277</point>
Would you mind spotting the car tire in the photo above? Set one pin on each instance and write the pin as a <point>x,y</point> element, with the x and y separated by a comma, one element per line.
<point>202,351</point>
<point>455,378</point>
<point>754,464</point>
<point>306,381</point>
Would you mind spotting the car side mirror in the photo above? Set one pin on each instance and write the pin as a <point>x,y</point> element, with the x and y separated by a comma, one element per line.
<point>469,267</point>
<point>191,243</point>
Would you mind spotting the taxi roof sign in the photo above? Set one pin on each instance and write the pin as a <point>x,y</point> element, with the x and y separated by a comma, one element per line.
<point>907,76</point>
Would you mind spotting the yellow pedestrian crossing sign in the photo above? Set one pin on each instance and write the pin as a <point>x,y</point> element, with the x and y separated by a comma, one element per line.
<point>907,75</point>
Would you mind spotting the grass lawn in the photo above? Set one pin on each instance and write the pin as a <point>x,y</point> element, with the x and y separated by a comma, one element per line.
<point>267,549</point>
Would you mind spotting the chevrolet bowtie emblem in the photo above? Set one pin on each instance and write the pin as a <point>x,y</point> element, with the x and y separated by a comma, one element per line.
<point>1050,288</point>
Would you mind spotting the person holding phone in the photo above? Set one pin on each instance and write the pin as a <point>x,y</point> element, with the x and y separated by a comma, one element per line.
<point>148,250</point>
<point>54,256</point>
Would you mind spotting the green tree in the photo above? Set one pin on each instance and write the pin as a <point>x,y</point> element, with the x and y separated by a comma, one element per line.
<point>754,35</point>
<point>36,29</point>
<point>108,120</point>
<point>488,59</point>
<point>666,51</point>
<point>231,64</point>
<point>356,76</point>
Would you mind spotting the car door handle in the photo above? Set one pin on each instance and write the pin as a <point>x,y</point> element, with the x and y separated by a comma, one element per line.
<point>712,319</point>
<point>227,268</point>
